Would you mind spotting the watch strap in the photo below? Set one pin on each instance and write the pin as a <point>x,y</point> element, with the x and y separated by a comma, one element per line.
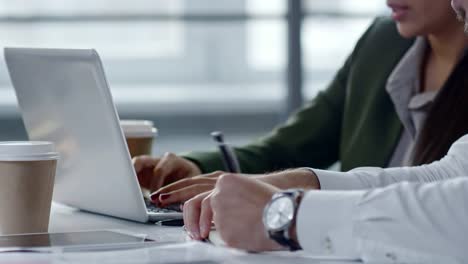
<point>281,238</point>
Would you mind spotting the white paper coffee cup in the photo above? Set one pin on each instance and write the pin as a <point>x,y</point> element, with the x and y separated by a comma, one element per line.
<point>27,173</point>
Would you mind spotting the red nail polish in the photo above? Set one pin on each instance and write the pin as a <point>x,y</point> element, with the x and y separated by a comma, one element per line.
<point>154,196</point>
<point>164,196</point>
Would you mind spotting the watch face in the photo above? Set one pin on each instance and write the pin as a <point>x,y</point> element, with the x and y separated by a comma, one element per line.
<point>280,213</point>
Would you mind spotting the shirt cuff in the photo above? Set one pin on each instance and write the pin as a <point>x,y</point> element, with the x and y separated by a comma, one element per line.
<point>334,180</point>
<point>325,223</point>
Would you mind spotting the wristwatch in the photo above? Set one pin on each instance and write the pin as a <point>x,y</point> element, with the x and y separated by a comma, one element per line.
<point>279,217</point>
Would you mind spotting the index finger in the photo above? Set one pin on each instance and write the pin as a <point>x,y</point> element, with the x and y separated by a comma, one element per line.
<point>206,216</point>
<point>191,214</point>
<point>181,184</point>
<point>209,178</point>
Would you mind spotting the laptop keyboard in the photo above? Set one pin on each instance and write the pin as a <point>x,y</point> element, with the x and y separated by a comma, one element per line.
<point>173,208</point>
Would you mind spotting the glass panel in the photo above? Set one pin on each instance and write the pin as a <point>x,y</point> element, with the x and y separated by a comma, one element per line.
<point>89,7</point>
<point>346,6</point>
<point>328,40</point>
<point>122,7</point>
<point>266,45</point>
<point>277,7</point>
<point>118,40</point>
<point>327,43</point>
<point>155,50</point>
<point>185,61</point>
<point>252,7</point>
<point>120,44</point>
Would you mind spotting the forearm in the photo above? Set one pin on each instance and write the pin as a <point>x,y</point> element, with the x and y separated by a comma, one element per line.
<point>301,178</point>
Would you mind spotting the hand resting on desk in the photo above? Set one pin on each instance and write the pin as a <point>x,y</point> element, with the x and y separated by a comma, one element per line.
<point>237,213</point>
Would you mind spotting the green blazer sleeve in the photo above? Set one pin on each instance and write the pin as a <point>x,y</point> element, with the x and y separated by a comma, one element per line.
<point>311,137</point>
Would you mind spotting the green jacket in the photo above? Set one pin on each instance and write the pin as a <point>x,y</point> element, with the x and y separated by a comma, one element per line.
<point>353,121</point>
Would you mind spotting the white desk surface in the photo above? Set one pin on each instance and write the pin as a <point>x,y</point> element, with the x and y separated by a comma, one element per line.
<point>65,219</point>
<point>180,250</point>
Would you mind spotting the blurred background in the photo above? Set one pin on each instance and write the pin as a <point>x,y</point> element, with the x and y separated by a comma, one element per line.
<point>194,66</point>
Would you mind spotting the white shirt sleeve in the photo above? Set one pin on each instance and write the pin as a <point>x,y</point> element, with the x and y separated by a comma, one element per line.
<point>454,164</point>
<point>406,222</point>
<point>324,225</point>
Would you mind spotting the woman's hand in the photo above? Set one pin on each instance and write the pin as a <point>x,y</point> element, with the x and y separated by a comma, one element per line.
<point>154,173</point>
<point>185,189</point>
<point>236,205</point>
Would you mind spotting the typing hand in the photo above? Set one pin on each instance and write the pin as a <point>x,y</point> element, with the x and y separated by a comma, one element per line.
<point>185,189</point>
<point>153,173</point>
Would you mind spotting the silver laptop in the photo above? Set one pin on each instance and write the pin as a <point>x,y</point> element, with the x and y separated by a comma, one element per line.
<point>64,97</point>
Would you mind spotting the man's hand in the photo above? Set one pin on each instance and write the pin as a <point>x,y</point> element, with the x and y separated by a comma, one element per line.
<point>236,205</point>
<point>153,173</point>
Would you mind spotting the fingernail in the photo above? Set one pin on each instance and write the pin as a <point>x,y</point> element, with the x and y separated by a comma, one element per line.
<point>190,234</point>
<point>193,236</point>
<point>154,196</point>
<point>196,236</point>
<point>164,196</point>
<point>202,231</point>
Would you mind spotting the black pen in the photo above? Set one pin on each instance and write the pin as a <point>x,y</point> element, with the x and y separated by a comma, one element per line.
<point>231,164</point>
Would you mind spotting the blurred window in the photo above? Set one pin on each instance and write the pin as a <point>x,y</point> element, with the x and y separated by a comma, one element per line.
<point>194,53</point>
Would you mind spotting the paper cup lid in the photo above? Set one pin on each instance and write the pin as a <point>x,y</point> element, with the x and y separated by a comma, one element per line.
<point>138,128</point>
<point>27,151</point>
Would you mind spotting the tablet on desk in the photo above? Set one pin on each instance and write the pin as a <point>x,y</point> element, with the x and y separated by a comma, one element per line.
<point>99,240</point>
